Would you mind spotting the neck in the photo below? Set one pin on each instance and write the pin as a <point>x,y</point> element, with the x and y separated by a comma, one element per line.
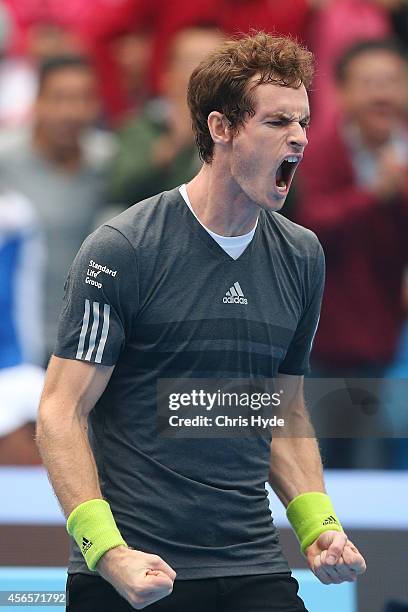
<point>67,158</point>
<point>220,204</point>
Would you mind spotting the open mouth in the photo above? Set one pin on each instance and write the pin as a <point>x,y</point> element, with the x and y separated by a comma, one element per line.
<point>285,172</point>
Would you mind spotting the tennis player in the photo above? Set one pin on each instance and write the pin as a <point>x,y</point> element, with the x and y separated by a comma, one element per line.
<point>205,280</point>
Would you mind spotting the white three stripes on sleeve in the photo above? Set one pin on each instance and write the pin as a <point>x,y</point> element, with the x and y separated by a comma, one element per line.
<point>94,331</point>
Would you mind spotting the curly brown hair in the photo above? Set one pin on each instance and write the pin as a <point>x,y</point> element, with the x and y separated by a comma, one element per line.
<point>220,82</point>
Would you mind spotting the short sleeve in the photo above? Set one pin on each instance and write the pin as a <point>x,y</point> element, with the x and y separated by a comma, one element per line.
<point>296,361</point>
<point>100,299</point>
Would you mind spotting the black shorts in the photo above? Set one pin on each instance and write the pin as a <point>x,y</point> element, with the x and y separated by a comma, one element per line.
<point>258,593</point>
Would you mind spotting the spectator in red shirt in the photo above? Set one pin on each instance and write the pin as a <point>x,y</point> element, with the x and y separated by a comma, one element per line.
<point>353,192</point>
<point>340,24</point>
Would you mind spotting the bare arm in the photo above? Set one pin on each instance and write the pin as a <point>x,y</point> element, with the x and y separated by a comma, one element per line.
<point>296,468</point>
<point>71,390</point>
<point>295,464</point>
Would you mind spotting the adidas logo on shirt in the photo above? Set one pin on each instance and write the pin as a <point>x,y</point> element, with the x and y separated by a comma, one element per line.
<point>235,295</point>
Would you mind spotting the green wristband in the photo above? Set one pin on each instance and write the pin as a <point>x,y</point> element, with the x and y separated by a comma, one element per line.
<point>310,514</point>
<point>94,529</point>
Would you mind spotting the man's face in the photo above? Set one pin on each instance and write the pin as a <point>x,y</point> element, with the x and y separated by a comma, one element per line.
<point>374,93</point>
<point>67,105</point>
<point>269,146</point>
<point>132,54</point>
<point>188,49</point>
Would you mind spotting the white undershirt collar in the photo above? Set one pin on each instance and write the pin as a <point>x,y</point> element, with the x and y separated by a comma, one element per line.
<point>233,245</point>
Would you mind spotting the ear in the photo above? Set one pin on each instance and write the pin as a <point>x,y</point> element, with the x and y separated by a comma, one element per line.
<point>220,128</point>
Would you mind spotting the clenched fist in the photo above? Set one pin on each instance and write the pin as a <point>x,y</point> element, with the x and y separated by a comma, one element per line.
<point>333,558</point>
<point>140,578</point>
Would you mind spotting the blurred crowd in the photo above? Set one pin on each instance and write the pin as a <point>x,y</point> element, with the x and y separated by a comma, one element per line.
<point>93,118</point>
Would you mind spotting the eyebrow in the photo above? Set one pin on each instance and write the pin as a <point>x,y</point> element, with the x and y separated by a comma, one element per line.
<point>287,116</point>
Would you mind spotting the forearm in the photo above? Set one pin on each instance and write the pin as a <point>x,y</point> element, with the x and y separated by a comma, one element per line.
<point>295,467</point>
<point>66,454</point>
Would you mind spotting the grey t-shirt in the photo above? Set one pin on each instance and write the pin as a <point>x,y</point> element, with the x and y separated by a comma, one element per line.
<point>145,293</point>
<point>66,206</point>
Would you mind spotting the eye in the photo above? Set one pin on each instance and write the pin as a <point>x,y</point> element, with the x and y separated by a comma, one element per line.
<point>277,122</point>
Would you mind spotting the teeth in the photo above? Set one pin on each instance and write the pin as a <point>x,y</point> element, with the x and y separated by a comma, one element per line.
<point>292,158</point>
